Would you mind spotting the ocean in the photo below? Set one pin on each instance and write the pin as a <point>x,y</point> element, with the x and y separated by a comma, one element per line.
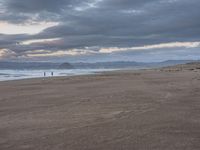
<point>6,75</point>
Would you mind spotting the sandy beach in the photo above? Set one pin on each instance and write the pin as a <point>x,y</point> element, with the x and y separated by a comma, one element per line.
<point>157,109</point>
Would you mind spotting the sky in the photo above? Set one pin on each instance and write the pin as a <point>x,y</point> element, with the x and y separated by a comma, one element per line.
<point>99,30</point>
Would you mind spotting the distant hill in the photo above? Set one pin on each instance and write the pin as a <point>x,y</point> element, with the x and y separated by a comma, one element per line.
<point>66,66</point>
<point>128,64</point>
<point>118,64</point>
<point>81,65</point>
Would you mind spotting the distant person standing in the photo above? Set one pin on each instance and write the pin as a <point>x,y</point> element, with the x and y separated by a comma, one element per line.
<point>52,73</point>
<point>44,74</point>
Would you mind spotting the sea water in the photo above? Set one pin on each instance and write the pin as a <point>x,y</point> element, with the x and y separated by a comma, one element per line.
<point>25,74</point>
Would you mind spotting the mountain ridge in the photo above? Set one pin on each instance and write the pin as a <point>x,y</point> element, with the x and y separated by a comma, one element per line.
<point>84,65</point>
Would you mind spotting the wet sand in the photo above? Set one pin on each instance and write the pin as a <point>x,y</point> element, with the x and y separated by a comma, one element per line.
<point>156,109</point>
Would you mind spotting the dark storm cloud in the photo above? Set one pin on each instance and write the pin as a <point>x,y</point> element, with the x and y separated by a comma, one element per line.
<point>102,23</point>
<point>125,4</point>
<point>34,6</point>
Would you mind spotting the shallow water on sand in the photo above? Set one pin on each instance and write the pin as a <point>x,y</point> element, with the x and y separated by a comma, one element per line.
<point>23,74</point>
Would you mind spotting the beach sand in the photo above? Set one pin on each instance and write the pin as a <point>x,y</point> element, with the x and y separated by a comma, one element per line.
<point>157,109</point>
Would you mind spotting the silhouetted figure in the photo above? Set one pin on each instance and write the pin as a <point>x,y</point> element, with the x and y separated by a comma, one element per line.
<point>52,73</point>
<point>44,74</point>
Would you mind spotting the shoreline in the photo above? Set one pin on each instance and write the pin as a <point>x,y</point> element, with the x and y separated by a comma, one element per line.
<point>95,72</point>
<point>91,72</point>
<point>57,73</point>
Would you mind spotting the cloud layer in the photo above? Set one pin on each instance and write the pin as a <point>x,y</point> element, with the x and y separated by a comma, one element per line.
<point>84,27</point>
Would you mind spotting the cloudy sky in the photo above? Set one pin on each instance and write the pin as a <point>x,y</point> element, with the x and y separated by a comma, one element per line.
<point>99,30</point>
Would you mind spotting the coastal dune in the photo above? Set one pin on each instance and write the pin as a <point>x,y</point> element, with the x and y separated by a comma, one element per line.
<point>155,109</point>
